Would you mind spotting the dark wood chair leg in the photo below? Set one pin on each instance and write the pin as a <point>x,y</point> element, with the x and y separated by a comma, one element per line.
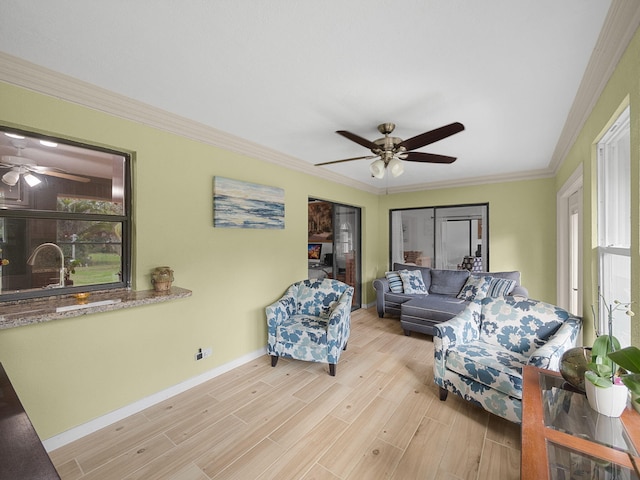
<point>345,346</point>
<point>443,394</point>
<point>274,360</point>
<point>332,369</point>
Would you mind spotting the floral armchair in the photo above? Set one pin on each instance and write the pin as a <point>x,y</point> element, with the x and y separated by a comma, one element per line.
<point>479,354</point>
<point>310,322</point>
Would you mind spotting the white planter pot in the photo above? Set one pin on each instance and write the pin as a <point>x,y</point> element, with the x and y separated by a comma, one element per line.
<point>607,401</point>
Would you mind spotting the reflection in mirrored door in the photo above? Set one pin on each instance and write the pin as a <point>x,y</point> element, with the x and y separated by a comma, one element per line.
<point>441,237</point>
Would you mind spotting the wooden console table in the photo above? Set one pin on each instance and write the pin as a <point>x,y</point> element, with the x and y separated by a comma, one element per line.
<point>563,438</point>
<point>22,455</point>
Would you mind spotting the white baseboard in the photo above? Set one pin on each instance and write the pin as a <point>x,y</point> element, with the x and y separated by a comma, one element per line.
<point>96,424</point>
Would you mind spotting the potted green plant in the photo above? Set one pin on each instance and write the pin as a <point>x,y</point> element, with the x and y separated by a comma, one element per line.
<point>629,359</point>
<point>606,391</point>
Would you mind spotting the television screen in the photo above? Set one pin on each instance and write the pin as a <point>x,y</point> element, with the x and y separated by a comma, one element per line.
<point>315,250</point>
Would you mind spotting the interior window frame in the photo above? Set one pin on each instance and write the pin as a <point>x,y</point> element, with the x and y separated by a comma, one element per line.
<point>125,219</point>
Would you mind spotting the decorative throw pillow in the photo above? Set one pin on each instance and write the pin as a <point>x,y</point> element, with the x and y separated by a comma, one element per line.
<point>475,288</point>
<point>500,287</point>
<point>412,281</point>
<point>395,282</point>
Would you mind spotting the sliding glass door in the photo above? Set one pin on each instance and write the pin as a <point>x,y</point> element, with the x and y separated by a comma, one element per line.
<point>334,244</point>
<point>346,247</point>
<point>441,237</point>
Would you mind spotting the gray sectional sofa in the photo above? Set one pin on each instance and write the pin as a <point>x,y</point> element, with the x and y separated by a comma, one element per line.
<point>420,312</point>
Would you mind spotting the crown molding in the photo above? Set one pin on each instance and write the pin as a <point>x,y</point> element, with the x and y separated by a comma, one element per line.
<point>472,181</point>
<point>618,29</point>
<point>19,72</point>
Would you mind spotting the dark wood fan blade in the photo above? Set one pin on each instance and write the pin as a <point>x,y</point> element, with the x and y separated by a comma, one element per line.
<point>431,136</point>
<point>427,157</point>
<point>68,176</point>
<point>358,139</point>
<point>57,172</point>
<point>346,160</point>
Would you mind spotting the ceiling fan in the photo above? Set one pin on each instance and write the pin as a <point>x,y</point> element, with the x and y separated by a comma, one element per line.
<point>20,166</point>
<point>391,150</point>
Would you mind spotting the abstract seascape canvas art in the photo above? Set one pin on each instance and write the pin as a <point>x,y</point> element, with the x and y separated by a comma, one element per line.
<point>239,204</point>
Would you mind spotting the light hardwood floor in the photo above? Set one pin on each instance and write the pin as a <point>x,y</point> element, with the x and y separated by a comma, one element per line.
<point>378,418</point>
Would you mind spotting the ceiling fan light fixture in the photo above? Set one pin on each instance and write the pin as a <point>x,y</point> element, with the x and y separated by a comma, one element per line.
<point>396,167</point>
<point>377,168</point>
<point>14,135</point>
<point>31,180</point>
<point>11,177</point>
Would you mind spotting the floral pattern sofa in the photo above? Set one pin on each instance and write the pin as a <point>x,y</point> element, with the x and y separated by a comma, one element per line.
<point>479,354</point>
<point>311,322</point>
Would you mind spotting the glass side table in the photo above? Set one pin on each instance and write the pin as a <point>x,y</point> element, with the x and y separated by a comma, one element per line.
<point>563,438</point>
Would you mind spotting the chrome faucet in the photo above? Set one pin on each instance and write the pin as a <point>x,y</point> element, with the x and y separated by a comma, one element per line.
<point>37,250</point>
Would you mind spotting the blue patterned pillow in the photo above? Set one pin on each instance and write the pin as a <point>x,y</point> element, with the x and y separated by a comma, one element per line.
<point>395,282</point>
<point>412,281</point>
<point>475,288</point>
<point>500,287</point>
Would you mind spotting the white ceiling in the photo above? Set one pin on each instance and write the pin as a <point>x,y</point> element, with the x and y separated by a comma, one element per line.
<point>286,74</point>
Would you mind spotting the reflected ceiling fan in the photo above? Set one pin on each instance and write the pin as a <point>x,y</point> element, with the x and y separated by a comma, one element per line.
<point>20,166</point>
<point>392,150</point>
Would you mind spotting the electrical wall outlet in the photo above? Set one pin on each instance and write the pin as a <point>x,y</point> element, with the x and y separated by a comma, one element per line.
<point>203,353</point>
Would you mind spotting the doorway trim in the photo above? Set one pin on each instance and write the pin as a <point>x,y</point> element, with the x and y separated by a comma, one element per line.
<point>572,186</point>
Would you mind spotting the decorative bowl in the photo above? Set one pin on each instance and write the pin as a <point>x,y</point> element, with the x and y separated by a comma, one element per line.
<point>81,297</point>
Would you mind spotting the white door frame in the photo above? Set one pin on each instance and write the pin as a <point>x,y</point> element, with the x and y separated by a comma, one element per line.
<point>571,186</point>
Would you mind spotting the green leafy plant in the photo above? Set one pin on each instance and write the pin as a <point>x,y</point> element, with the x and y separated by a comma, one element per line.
<point>628,358</point>
<point>602,370</point>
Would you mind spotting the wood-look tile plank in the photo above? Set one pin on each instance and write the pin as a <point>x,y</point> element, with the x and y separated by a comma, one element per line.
<point>298,426</point>
<point>270,403</point>
<point>183,429</point>
<point>223,454</point>
<point>102,439</point>
<point>191,472</point>
<point>468,429</point>
<point>504,432</point>
<point>318,472</point>
<point>379,461</point>
<point>406,419</point>
<point>132,460</point>
<point>422,457</point>
<point>222,386</point>
<point>69,470</point>
<point>175,406</point>
<point>304,453</point>
<point>252,463</point>
<point>499,461</point>
<point>358,399</point>
<point>346,451</point>
<point>223,434</point>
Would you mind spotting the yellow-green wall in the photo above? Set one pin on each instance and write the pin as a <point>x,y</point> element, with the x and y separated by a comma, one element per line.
<point>71,371</point>
<point>622,89</point>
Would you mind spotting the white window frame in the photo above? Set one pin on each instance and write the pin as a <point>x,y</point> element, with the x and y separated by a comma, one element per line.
<point>613,247</point>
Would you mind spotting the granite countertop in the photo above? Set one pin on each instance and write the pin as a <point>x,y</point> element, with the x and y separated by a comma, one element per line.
<point>28,312</point>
